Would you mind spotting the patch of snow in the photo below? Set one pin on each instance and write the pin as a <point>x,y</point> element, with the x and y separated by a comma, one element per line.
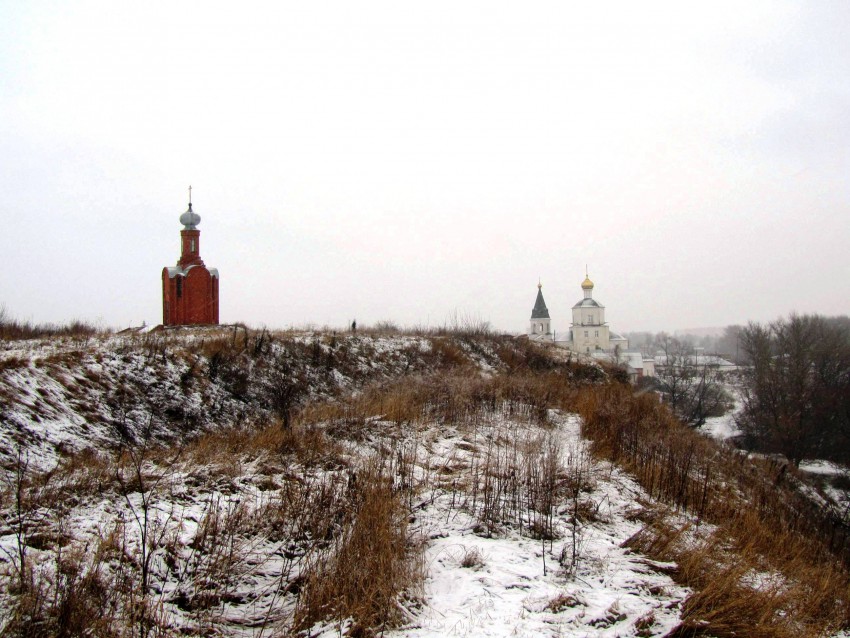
<point>827,468</point>
<point>516,586</point>
<point>726,426</point>
<point>506,584</point>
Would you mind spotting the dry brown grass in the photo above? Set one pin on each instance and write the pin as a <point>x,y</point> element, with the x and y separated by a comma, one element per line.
<point>762,525</point>
<point>449,397</point>
<point>81,595</point>
<point>76,477</point>
<point>351,554</point>
<point>14,329</point>
<point>304,444</point>
<point>13,363</point>
<point>369,565</point>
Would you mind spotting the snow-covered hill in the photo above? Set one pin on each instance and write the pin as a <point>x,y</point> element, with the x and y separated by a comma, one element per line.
<point>226,482</point>
<point>65,394</point>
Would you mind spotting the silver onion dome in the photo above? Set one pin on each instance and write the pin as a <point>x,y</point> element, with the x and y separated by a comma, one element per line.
<point>190,219</point>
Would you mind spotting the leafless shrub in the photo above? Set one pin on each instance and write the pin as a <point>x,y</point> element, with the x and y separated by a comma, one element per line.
<point>561,602</point>
<point>78,596</point>
<point>368,565</point>
<point>285,388</point>
<point>22,509</point>
<point>215,562</point>
<point>578,480</point>
<point>140,483</point>
<point>471,558</point>
<point>771,526</point>
<point>449,352</point>
<point>76,592</point>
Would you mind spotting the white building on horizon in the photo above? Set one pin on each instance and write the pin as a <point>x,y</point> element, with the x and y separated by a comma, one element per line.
<point>588,334</point>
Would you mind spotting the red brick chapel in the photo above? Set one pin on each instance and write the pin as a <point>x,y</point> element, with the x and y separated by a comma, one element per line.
<point>189,289</point>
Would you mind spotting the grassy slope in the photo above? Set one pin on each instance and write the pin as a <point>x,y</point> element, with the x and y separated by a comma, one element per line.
<point>249,523</point>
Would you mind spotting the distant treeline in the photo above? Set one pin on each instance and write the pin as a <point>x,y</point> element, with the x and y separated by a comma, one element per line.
<point>12,329</point>
<point>728,343</point>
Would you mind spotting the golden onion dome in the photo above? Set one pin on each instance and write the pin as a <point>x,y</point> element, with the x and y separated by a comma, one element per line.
<point>587,284</point>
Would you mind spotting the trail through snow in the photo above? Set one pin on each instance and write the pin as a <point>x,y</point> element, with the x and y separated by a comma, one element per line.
<point>505,589</point>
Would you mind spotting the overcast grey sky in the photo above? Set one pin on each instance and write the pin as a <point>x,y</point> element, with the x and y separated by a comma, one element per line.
<point>406,161</point>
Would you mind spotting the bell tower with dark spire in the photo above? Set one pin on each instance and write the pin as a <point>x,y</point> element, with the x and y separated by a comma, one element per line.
<point>190,289</point>
<point>539,325</point>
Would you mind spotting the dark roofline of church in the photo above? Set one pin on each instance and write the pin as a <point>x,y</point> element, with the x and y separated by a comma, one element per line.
<point>540,311</point>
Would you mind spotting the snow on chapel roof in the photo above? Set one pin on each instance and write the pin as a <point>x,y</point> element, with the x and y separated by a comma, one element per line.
<point>588,303</point>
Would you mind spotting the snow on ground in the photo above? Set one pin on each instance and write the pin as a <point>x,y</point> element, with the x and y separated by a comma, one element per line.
<point>504,584</point>
<point>67,394</point>
<point>726,426</point>
<point>513,585</point>
<point>827,468</point>
<point>498,582</point>
<point>508,591</point>
<point>828,484</point>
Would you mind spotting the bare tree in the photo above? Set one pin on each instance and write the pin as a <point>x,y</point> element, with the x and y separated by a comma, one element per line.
<point>135,473</point>
<point>285,388</point>
<point>797,392</point>
<point>692,384</point>
<point>21,514</point>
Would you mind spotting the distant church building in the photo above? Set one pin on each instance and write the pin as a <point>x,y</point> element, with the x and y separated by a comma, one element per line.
<point>588,334</point>
<point>539,315</point>
<point>189,289</point>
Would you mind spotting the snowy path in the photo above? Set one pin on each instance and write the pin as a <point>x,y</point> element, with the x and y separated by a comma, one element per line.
<point>505,593</point>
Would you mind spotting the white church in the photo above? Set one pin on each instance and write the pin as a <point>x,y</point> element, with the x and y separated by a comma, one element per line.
<point>589,334</point>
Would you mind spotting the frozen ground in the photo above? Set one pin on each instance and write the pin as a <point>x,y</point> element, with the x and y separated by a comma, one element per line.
<point>230,556</point>
<point>725,427</point>
<point>62,395</point>
<point>512,585</point>
<point>826,468</point>
<point>508,591</point>
<point>501,582</point>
